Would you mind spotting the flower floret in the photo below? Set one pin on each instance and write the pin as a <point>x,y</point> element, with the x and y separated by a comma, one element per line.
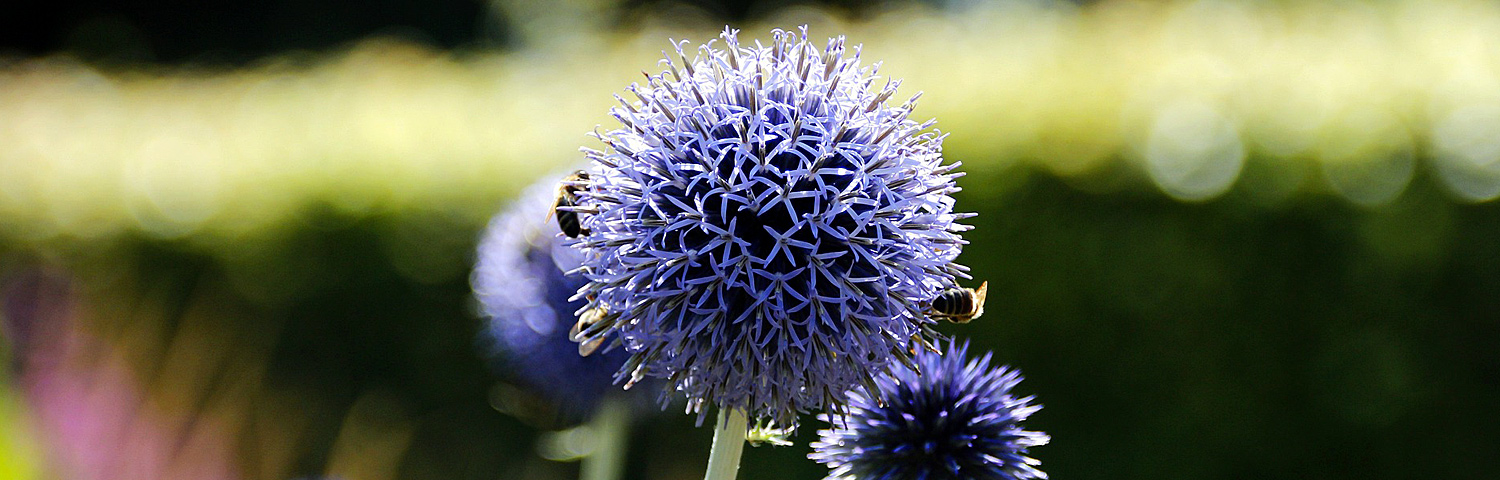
<point>765,228</point>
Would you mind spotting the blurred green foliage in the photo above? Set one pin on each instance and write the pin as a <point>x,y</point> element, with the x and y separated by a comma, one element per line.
<point>1214,340</point>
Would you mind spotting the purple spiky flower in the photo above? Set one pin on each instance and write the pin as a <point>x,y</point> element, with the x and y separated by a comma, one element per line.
<point>522,289</point>
<point>957,419</point>
<point>765,228</point>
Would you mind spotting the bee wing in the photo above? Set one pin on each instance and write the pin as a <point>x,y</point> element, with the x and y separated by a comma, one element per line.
<point>979,295</point>
<point>588,347</point>
<point>562,191</point>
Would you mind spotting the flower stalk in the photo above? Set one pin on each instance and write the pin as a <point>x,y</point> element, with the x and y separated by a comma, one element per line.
<point>729,443</point>
<point>609,427</point>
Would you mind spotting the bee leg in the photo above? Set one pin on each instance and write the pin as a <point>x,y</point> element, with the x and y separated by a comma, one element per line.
<point>577,328</point>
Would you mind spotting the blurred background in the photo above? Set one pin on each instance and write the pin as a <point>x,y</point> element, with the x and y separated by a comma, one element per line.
<point>1224,239</point>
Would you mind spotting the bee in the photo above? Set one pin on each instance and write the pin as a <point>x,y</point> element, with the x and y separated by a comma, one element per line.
<point>959,305</point>
<point>588,344</point>
<point>567,196</point>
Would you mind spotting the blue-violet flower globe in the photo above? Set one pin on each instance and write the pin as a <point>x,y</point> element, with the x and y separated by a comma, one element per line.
<point>764,229</point>
<point>957,419</point>
<point>524,293</point>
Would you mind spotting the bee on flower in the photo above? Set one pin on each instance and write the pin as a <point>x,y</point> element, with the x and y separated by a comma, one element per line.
<point>522,285</point>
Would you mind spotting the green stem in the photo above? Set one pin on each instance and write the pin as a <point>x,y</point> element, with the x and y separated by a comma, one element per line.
<point>610,425</point>
<point>729,442</point>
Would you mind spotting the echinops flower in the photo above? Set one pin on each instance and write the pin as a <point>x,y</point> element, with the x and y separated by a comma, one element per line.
<point>765,229</point>
<point>957,419</point>
<point>519,279</point>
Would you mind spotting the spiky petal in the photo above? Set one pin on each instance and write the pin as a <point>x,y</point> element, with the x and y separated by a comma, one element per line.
<point>957,419</point>
<point>766,228</point>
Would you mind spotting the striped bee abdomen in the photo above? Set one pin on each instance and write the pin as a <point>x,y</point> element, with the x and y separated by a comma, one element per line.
<point>954,301</point>
<point>959,305</point>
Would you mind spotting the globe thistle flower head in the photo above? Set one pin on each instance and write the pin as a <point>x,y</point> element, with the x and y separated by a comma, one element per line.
<point>957,419</point>
<point>520,282</point>
<point>765,228</point>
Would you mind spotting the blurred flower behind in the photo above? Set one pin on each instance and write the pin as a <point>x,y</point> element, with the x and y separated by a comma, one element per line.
<point>520,282</point>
